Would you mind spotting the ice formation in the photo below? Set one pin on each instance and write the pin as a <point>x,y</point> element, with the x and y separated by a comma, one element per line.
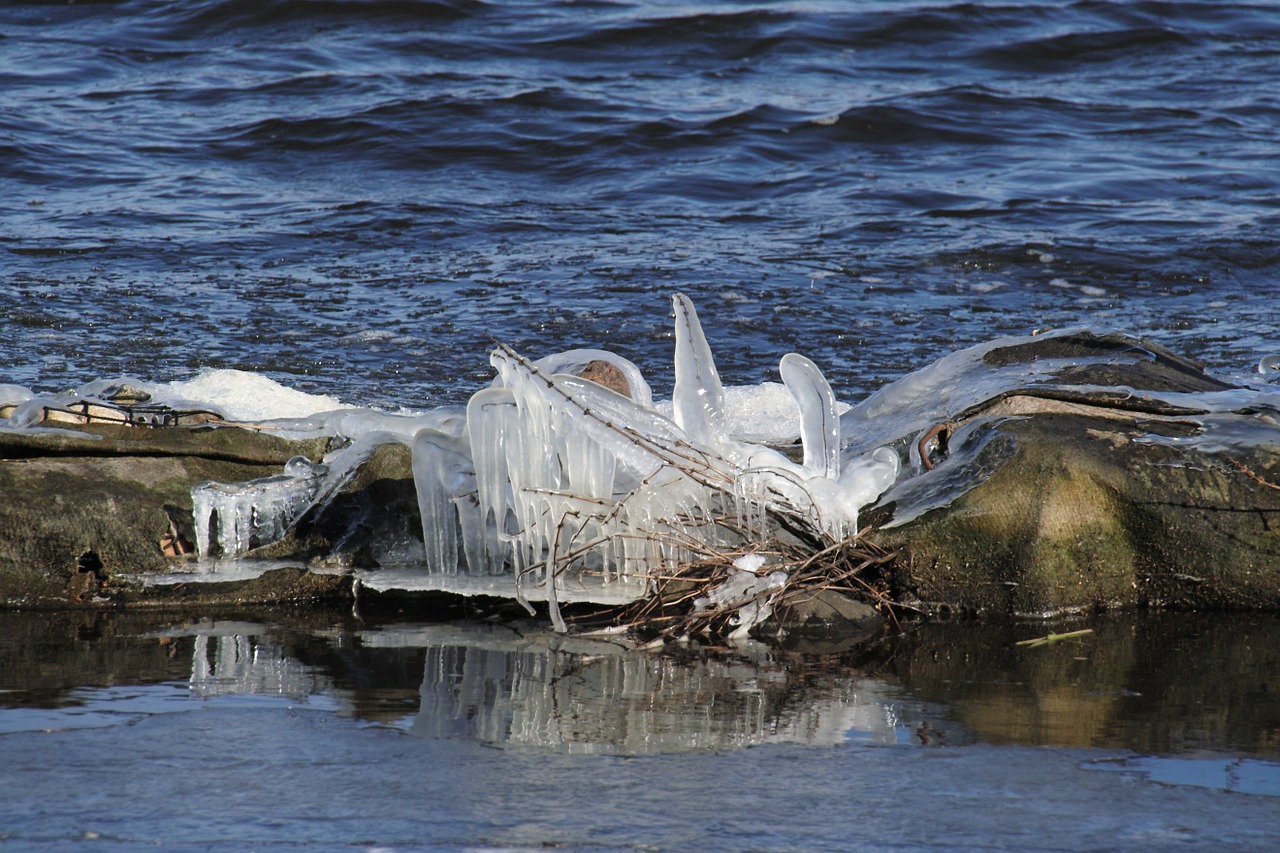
<point>564,469</point>
<point>549,475</point>
<point>565,472</point>
<point>746,592</point>
<point>556,474</point>
<point>231,519</point>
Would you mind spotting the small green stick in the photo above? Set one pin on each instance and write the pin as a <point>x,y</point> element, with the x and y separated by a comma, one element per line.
<point>1052,638</point>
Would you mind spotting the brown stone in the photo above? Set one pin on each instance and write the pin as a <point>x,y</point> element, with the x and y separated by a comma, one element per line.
<point>608,375</point>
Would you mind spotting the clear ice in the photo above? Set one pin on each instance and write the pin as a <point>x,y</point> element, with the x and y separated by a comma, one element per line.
<point>232,518</point>
<point>549,478</point>
<point>558,475</point>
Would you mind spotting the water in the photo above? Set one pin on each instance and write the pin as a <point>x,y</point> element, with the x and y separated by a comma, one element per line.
<point>323,731</point>
<point>355,199</point>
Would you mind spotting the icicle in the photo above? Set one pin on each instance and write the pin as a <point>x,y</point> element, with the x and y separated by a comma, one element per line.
<point>638,437</point>
<point>553,602</point>
<point>698,399</point>
<point>443,473</point>
<point>259,512</point>
<point>493,422</point>
<point>819,421</point>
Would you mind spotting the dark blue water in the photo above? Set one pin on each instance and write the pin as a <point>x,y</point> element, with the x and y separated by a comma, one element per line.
<point>355,197</point>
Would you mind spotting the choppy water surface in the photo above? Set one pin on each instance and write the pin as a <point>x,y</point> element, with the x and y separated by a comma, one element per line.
<point>328,731</point>
<point>356,198</point>
<point>353,197</point>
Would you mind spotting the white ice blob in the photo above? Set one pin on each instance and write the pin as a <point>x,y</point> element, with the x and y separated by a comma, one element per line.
<point>243,396</point>
<point>575,361</point>
<point>759,414</point>
<point>14,394</point>
<point>750,563</point>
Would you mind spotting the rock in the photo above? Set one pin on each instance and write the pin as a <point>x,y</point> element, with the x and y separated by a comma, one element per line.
<point>823,610</point>
<point>1078,513</point>
<point>608,375</point>
<point>293,585</point>
<point>823,621</point>
<point>1110,486</point>
<point>109,497</point>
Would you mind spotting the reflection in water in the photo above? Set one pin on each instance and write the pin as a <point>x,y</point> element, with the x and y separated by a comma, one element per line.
<point>492,684</point>
<point>1154,683</point>
<point>237,658</point>
<point>1177,694</point>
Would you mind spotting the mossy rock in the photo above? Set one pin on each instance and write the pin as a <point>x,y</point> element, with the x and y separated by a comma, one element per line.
<point>1082,512</point>
<point>82,509</point>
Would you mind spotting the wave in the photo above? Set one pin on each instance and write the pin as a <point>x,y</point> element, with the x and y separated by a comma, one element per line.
<point>1046,53</point>
<point>696,35</point>
<point>201,19</point>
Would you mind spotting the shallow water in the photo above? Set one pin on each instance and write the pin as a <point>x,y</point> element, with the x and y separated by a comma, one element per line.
<point>355,199</point>
<point>327,731</point>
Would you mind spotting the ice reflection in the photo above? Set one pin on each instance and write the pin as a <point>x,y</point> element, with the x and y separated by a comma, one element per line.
<point>1175,685</point>
<point>496,685</point>
<point>239,658</point>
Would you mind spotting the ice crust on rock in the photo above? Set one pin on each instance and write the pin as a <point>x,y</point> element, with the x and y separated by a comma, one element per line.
<point>558,474</point>
<point>548,477</point>
<point>230,519</point>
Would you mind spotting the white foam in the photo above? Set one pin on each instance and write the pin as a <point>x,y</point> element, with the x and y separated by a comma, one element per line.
<point>242,395</point>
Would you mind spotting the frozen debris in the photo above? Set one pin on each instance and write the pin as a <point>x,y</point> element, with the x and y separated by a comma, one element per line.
<point>750,563</point>
<point>565,467</point>
<point>745,591</point>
